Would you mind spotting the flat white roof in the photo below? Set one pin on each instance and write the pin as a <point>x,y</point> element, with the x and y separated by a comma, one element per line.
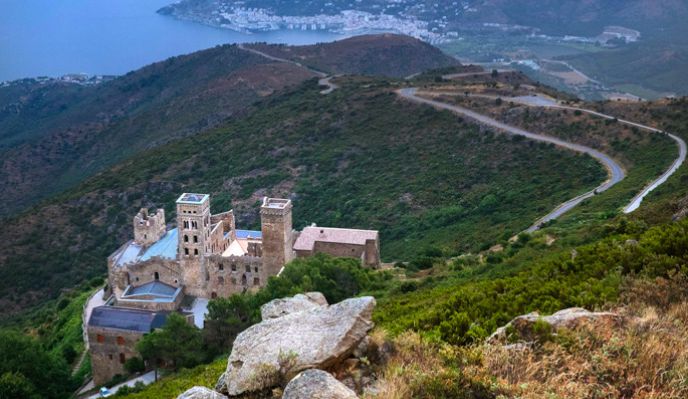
<point>192,198</point>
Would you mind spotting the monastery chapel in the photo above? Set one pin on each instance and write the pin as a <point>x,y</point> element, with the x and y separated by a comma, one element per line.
<point>177,270</point>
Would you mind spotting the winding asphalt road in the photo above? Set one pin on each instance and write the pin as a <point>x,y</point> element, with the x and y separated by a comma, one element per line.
<point>547,102</point>
<point>614,170</point>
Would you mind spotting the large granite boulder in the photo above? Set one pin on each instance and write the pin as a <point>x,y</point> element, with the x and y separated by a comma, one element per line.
<point>524,326</point>
<point>274,350</point>
<point>317,384</point>
<point>284,306</point>
<point>201,393</point>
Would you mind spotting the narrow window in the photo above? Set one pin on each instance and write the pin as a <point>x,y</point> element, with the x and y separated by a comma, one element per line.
<point>195,251</point>
<point>110,356</point>
<point>248,268</point>
<point>213,295</point>
<point>120,340</point>
<point>243,280</point>
<point>255,269</point>
<point>186,251</point>
<point>195,238</point>
<point>256,281</point>
<point>186,224</point>
<point>221,266</point>
<point>145,236</point>
<point>186,238</point>
<point>234,268</point>
<point>100,338</point>
<point>156,276</point>
<point>122,359</point>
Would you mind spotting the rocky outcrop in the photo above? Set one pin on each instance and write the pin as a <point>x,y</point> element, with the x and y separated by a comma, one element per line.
<point>317,384</point>
<point>681,209</point>
<point>298,303</point>
<point>524,326</point>
<point>201,393</point>
<point>276,349</point>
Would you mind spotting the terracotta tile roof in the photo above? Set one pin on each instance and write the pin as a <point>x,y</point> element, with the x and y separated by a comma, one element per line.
<point>312,234</point>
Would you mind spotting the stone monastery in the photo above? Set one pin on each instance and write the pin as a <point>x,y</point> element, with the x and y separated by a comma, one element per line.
<point>204,257</point>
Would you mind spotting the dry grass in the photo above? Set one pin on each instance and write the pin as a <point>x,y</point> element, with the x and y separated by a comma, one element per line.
<point>644,358</point>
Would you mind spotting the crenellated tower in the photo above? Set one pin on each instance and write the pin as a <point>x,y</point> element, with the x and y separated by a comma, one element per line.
<point>149,228</point>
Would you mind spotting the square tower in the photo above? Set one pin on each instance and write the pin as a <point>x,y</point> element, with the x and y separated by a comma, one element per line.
<point>193,222</point>
<point>275,220</point>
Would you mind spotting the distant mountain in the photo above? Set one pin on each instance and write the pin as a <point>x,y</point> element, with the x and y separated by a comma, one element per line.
<point>381,55</point>
<point>54,135</point>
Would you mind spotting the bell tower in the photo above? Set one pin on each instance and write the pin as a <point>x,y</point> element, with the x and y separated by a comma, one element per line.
<point>193,222</point>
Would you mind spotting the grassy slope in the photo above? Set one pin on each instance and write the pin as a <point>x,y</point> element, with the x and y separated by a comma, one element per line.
<point>358,157</point>
<point>56,135</point>
<point>538,275</point>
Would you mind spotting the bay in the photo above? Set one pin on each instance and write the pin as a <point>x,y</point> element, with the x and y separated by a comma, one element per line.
<point>108,37</point>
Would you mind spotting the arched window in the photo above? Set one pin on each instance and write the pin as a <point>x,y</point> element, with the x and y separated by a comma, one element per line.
<point>256,281</point>
<point>213,295</point>
<point>186,251</point>
<point>195,238</point>
<point>186,224</point>
<point>243,280</point>
<point>156,276</point>
<point>186,238</point>
<point>221,266</point>
<point>234,268</point>
<point>122,358</point>
<point>195,251</point>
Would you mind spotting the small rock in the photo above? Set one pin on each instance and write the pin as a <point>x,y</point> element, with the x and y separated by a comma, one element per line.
<point>362,348</point>
<point>221,385</point>
<point>317,384</point>
<point>298,303</point>
<point>566,318</point>
<point>201,393</point>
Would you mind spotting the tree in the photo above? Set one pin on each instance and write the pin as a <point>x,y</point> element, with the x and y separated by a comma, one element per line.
<point>15,385</point>
<point>177,344</point>
<point>134,365</point>
<point>226,318</point>
<point>23,361</point>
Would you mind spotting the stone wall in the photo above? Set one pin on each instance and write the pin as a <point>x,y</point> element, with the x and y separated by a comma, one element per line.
<point>109,349</point>
<point>234,274</point>
<point>368,254</point>
<point>168,271</point>
<point>217,242</point>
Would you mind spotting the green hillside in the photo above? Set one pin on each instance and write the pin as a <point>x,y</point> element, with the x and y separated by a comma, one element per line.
<point>358,157</point>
